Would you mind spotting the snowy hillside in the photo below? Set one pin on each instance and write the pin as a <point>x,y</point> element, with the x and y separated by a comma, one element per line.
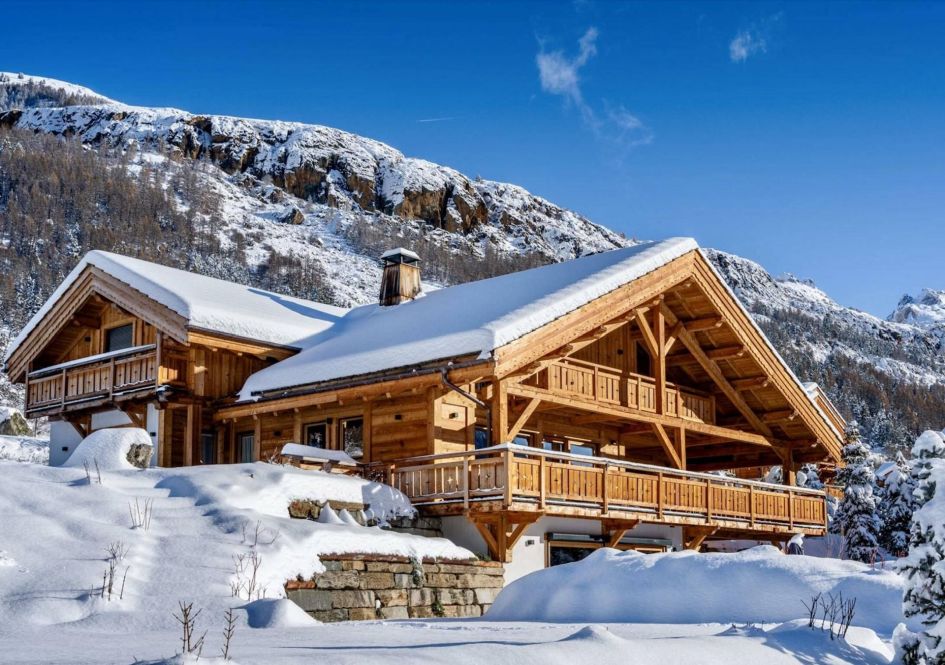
<point>306,210</point>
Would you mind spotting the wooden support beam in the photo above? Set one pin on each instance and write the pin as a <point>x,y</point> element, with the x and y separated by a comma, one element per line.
<point>712,368</point>
<point>705,323</point>
<point>750,383</point>
<point>726,352</point>
<point>668,447</point>
<point>694,536</point>
<point>649,338</point>
<point>779,416</point>
<point>659,360</point>
<point>500,413</point>
<point>522,417</point>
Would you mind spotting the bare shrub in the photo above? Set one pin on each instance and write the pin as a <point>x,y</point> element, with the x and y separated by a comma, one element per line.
<point>245,583</point>
<point>141,514</point>
<point>187,618</point>
<point>228,630</point>
<point>117,551</point>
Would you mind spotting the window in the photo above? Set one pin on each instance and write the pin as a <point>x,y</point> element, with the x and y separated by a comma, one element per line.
<point>245,444</point>
<point>482,438</point>
<point>120,337</point>
<point>582,449</point>
<point>555,445</point>
<point>316,435</point>
<point>564,552</point>
<point>523,439</point>
<point>352,437</point>
<point>208,448</point>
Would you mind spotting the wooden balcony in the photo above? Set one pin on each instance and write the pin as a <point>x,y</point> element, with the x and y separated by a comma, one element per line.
<point>514,478</point>
<point>104,377</point>
<point>609,386</point>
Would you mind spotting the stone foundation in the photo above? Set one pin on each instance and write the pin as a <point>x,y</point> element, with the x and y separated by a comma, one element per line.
<point>362,587</point>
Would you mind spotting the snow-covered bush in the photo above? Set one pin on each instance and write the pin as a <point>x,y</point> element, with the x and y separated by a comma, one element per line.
<point>895,509</point>
<point>924,567</point>
<point>856,519</point>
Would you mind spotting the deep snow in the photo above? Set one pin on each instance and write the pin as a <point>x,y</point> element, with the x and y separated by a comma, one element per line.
<point>56,526</point>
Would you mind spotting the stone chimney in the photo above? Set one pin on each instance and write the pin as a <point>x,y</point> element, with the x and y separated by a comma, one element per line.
<point>401,279</point>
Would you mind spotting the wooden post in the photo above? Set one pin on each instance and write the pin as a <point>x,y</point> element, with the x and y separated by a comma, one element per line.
<point>708,500</point>
<point>257,439</point>
<point>111,378</point>
<point>507,455</point>
<point>659,363</point>
<point>465,482</point>
<point>541,481</point>
<point>751,504</point>
<point>604,489</point>
<point>790,507</point>
<point>659,494</point>
<point>63,400</point>
<point>158,359</point>
<point>297,427</point>
<point>500,413</point>
<point>366,432</point>
<point>189,436</point>
<point>682,447</point>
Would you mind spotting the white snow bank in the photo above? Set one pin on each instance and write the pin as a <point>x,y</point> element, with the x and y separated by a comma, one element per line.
<point>754,586</point>
<point>276,613</point>
<point>24,449</point>
<point>321,454</point>
<point>108,448</point>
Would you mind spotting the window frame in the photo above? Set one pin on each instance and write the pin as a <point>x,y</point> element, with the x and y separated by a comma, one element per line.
<point>342,423</point>
<point>241,447</point>
<point>107,332</point>
<point>326,428</point>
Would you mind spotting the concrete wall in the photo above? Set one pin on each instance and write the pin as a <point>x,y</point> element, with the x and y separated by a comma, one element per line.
<point>63,438</point>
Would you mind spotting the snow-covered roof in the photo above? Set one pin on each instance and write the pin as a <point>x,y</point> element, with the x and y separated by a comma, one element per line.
<point>206,303</point>
<point>475,318</point>
<point>400,251</point>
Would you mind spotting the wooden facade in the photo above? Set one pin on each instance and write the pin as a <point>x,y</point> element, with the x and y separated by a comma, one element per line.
<point>617,409</point>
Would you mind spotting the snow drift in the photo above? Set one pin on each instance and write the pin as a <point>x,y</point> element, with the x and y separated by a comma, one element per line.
<point>108,449</point>
<point>754,586</point>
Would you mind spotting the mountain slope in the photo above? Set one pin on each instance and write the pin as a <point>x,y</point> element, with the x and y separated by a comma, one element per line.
<point>306,209</point>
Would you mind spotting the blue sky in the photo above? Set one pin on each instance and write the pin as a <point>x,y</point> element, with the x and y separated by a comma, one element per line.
<point>808,137</point>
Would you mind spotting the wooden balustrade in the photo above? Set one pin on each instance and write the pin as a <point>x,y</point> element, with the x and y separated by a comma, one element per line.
<point>549,479</point>
<point>609,386</point>
<point>100,376</point>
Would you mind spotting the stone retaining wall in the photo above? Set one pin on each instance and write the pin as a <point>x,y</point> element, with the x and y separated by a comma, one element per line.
<point>361,587</point>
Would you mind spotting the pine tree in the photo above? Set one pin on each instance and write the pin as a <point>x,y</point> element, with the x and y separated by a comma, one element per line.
<point>896,508</point>
<point>924,595</point>
<point>856,519</point>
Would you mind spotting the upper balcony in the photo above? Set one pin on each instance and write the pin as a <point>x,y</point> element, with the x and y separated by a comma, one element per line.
<point>105,377</point>
<point>606,385</point>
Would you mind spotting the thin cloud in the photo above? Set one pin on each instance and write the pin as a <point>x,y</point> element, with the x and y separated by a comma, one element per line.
<point>443,119</point>
<point>753,40</point>
<point>560,75</point>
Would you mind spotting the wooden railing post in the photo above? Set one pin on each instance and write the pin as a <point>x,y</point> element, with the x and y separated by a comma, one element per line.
<point>508,478</point>
<point>659,494</point>
<point>606,506</point>
<point>790,507</point>
<point>466,482</point>
<point>541,481</point>
<point>63,387</point>
<point>751,504</point>
<point>111,378</point>
<point>708,500</point>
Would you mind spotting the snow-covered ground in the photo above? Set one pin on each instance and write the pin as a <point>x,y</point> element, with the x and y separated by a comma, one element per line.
<point>57,524</point>
<point>24,449</point>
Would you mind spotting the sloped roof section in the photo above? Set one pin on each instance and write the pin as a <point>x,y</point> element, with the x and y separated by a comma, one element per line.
<point>475,318</point>
<point>206,303</point>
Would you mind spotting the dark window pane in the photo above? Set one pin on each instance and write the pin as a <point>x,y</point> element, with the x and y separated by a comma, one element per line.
<point>482,438</point>
<point>118,338</point>
<point>316,435</point>
<point>352,437</point>
<point>560,555</point>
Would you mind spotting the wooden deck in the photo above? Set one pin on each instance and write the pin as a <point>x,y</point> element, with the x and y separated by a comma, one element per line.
<point>104,377</point>
<point>533,480</point>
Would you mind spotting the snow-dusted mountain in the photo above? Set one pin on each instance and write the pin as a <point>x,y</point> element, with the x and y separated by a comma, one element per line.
<point>273,200</point>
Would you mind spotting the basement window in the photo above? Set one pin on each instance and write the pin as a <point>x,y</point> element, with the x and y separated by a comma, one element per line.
<point>119,337</point>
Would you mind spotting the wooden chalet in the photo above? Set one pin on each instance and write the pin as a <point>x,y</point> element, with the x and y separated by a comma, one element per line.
<point>595,402</point>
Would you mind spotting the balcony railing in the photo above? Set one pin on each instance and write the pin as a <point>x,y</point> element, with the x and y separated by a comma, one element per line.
<point>550,480</point>
<point>102,376</point>
<point>610,386</point>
